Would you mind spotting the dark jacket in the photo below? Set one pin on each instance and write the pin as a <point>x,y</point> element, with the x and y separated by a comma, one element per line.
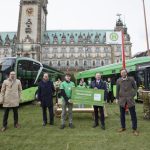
<point>102,85</point>
<point>45,93</point>
<point>125,92</point>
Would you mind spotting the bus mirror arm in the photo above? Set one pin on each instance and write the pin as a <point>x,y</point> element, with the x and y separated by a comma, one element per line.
<point>39,72</point>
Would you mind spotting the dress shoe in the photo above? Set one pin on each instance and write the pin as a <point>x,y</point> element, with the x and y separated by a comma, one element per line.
<point>122,130</point>
<point>17,126</point>
<point>135,132</point>
<point>95,125</point>
<point>62,126</point>
<point>3,129</point>
<point>103,127</point>
<point>71,125</point>
<point>44,123</point>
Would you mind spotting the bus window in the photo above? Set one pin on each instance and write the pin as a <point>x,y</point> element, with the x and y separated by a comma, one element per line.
<point>27,72</point>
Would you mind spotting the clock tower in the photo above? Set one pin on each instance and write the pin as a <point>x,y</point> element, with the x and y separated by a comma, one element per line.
<point>31,27</point>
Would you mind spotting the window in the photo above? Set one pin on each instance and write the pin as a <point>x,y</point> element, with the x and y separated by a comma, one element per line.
<point>102,63</point>
<point>55,50</point>
<point>97,50</point>
<point>97,62</point>
<point>28,65</point>
<point>118,48</point>
<point>63,50</point>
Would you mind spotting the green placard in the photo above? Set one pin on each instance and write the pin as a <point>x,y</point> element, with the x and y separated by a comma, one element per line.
<point>87,96</point>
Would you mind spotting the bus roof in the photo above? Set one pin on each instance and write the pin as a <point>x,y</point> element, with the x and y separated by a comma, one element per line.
<point>113,68</point>
<point>45,67</point>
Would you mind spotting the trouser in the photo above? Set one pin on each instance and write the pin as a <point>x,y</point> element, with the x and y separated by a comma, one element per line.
<point>110,97</point>
<point>133,117</point>
<point>51,114</point>
<point>63,115</point>
<point>102,118</point>
<point>6,114</point>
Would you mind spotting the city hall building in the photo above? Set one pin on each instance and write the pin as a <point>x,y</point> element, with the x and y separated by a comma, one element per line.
<point>62,49</point>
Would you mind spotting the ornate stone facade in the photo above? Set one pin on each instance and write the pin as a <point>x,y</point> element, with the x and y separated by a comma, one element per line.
<point>61,49</point>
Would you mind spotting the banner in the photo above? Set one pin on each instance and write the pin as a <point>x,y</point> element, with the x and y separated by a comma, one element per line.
<point>87,96</point>
<point>113,38</point>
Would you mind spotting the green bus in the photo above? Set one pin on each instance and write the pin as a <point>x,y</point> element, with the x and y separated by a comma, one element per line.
<point>29,71</point>
<point>139,68</point>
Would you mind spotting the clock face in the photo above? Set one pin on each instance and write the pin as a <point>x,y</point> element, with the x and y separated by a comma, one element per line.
<point>29,11</point>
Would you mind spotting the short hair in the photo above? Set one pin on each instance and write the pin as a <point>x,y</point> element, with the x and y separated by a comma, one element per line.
<point>68,74</point>
<point>97,73</point>
<point>124,70</point>
<point>12,72</point>
<point>45,74</point>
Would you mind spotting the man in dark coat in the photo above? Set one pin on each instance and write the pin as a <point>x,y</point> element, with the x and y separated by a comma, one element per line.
<point>45,95</point>
<point>98,83</point>
<point>126,90</point>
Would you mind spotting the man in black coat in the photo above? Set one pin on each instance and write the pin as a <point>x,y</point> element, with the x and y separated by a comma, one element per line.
<point>45,95</point>
<point>98,83</point>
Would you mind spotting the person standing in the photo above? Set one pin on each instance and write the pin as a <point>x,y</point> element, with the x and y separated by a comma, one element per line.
<point>98,83</point>
<point>126,90</point>
<point>10,98</point>
<point>45,95</point>
<point>66,90</point>
<point>57,89</point>
<point>81,85</point>
<point>110,91</point>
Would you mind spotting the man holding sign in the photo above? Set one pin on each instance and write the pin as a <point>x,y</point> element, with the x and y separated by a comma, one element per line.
<point>66,90</point>
<point>98,83</point>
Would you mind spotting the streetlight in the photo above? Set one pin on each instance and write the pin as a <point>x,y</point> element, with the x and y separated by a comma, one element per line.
<point>146,30</point>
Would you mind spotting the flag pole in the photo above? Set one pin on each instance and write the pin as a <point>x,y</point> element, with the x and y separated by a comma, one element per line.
<point>123,51</point>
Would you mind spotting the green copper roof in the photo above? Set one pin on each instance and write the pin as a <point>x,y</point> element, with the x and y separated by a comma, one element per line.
<point>75,33</point>
<point>10,34</point>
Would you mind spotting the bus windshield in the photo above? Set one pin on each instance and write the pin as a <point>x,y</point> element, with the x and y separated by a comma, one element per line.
<point>6,65</point>
<point>27,71</point>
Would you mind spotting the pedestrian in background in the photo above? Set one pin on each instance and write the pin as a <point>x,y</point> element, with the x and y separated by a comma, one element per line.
<point>81,85</point>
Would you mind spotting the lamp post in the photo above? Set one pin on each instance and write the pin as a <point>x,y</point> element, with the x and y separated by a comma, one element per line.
<point>146,30</point>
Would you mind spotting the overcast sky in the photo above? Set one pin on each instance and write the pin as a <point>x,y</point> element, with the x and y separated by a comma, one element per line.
<point>86,14</point>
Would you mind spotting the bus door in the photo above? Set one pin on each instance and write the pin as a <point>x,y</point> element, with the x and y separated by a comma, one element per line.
<point>147,74</point>
<point>141,79</point>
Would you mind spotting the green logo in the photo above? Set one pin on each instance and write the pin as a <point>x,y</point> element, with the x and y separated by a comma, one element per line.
<point>114,36</point>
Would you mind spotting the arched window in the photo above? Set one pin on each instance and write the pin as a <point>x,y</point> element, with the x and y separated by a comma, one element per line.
<point>93,63</point>
<point>58,63</point>
<point>102,63</point>
<point>67,63</point>
<point>76,63</point>
<point>50,63</point>
<point>85,63</point>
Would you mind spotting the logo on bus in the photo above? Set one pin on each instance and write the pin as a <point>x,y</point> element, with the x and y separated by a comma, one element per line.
<point>114,36</point>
